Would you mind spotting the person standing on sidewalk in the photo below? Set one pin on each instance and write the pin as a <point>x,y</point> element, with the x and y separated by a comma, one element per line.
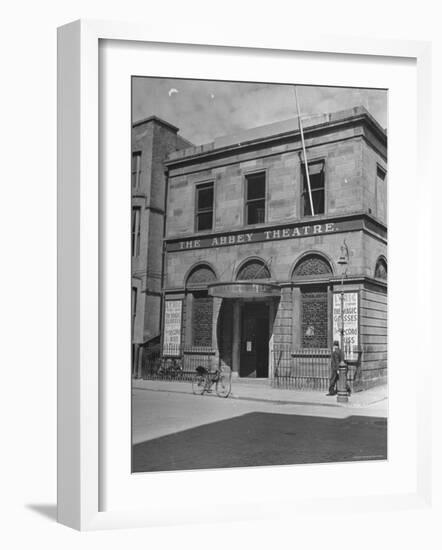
<point>336,357</point>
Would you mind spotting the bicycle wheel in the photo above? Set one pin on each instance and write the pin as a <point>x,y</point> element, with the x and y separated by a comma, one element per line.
<point>224,384</point>
<point>198,384</point>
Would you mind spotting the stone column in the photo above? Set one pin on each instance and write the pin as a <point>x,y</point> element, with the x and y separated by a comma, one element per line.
<point>236,343</point>
<point>187,320</point>
<point>284,319</point>
<point>282,332</point>
<point>272,306</point>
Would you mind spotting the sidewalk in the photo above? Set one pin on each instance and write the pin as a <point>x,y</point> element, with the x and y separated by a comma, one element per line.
<point>260,390</point>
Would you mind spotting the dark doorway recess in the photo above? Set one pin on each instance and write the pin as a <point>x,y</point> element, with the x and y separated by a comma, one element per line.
<point>255,341</point>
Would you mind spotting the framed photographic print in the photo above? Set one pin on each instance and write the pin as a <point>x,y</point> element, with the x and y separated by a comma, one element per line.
<point>228,230</point>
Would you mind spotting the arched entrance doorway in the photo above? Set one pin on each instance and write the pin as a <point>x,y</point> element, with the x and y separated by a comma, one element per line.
<point>246,324</point>
<point>255,329</point>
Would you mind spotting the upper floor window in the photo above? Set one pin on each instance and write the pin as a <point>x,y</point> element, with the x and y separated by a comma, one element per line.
<point>134,306</point>
<point>380,174</point>
<point>317,186</point>
<point>380,193</point>
<point>204,207</point>
<point>136,169</point>
<point>381,269</point>
<point>255,198</point>
<point>136,230</point>
<point>134,301</point>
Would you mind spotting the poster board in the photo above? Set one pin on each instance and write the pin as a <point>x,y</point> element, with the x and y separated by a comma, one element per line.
<point>351,322</point>
<point>172,327</point>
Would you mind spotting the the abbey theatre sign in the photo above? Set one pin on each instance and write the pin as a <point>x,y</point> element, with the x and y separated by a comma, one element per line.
<point>294,231</point>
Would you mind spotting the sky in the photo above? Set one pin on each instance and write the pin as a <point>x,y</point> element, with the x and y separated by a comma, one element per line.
<point>206,109</point>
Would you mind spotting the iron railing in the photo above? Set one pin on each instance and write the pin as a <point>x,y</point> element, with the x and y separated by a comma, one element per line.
<point>301,369</point>
<point>176,363</point>
<point>304,369</point>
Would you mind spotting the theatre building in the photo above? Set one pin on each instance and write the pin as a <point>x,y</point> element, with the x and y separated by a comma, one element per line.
<point>257,254</point>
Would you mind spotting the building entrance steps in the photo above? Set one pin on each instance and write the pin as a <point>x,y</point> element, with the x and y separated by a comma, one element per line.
<point>252,381</point>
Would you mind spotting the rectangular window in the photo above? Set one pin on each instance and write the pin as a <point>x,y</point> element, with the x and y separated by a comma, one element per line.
<point>202,318</point>
<point>381,174</point>
<point>204,207</point>
<point>380,193</point>
<point>134,301</point>
<point>314,317</point>
<point>317,186</point>
<point>135,359</point>
<point>136,230</point>
<point>134,307</point>
<point>136,169</point>
<point>255,198</point>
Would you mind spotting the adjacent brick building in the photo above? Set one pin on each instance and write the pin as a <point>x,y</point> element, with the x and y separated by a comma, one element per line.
<point>251,274</point>
<point>153,140</point>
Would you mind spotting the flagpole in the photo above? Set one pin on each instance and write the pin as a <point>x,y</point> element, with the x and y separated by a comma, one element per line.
<point>305,154</point>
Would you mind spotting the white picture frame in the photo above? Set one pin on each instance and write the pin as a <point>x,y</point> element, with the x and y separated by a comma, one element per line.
<point>79,269</point>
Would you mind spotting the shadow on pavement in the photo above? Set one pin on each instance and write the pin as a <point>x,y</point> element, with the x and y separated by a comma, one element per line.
<point>265,439</point>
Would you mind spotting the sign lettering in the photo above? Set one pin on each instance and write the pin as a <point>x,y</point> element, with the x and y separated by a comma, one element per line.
<point>262,235</point>
<point>351,317</point>
<point>172,327</point>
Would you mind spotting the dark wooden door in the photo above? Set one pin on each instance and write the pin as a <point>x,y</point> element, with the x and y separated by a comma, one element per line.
<point>255,341</point>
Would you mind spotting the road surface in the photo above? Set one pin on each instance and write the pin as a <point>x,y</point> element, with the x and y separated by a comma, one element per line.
<point>179,431</point>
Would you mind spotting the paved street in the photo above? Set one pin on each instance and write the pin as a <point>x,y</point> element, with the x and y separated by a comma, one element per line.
<point>176,430</point>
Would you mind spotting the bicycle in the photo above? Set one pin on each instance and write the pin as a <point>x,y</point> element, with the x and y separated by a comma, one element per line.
<point>170,367</point>
<point>203,381</point>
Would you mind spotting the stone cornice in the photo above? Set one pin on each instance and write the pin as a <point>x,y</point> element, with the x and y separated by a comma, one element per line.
<point>209,152</point>
<point>335,280</point>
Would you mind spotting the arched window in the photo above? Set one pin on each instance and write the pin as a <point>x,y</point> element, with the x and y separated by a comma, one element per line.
<point>380,271</point>
<point>314,300</point>
<point>254,269</point>
<point>200,276</point>
<point>201,305</point>
<point>312,265</point>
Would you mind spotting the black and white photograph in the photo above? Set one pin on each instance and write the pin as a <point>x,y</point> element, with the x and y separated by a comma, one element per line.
<point>259,274</point>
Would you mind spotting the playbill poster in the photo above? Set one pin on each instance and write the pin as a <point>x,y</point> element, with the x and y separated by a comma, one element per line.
<point>349,312</point>
<point>172,323</point>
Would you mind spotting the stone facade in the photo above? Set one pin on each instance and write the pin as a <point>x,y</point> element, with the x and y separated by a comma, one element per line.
<point>351,150</point>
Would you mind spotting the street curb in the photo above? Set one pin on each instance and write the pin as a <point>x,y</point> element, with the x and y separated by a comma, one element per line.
<point>273,401</point>
<point>284,402</point>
